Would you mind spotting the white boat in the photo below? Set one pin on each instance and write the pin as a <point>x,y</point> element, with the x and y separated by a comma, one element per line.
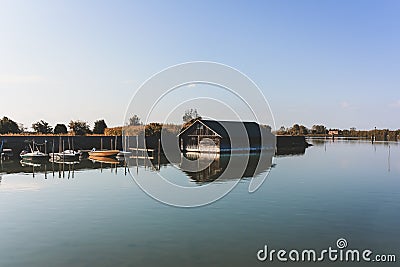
<point>34,154</point>
<point>65,155</point>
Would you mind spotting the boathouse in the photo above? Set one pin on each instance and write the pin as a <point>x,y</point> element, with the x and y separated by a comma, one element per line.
<point>225,136</point>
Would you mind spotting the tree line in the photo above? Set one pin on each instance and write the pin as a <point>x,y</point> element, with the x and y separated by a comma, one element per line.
<point>297,129</point>
<point>321,130</point>
<point>77,127</point>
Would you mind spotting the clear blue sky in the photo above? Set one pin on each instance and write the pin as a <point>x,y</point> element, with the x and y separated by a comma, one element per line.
<point>331,62</point>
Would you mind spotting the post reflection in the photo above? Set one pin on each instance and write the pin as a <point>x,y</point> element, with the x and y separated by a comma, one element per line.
<point>59,168</point>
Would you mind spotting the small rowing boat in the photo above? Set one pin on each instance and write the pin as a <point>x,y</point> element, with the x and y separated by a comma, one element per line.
<point>103,153</point>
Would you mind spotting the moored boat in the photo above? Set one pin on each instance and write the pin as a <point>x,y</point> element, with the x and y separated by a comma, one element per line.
<point>103,153</point>
<point>34,154</point>
<point>65,155</point>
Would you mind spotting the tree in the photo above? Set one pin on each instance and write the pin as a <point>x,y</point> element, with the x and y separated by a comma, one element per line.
<point>99,127</point>
<point>190,114</point>
<point>282,130</point>
<point>303,130</point>
<point>318,129</point>
<point>385,134</point>
<point>8,126</point>
<point>134,120</point>
<point>295,130</point>
<point>21,127</point>
<point>42,127</point>
<point>60,129</point>
<point>79,127</point>
<point>153,129</point>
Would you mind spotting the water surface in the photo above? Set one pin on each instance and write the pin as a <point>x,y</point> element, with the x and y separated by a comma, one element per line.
<point>97,216</point>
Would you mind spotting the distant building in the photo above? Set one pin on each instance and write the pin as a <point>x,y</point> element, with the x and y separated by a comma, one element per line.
<point>225,136</point>
<point>333,132</point>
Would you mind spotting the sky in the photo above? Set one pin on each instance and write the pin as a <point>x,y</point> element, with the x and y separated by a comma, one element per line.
<point>335,63</point>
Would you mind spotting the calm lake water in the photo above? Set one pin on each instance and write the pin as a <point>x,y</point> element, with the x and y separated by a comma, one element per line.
<point>96,215</point>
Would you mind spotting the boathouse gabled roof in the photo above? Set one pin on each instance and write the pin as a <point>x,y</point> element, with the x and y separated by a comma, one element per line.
<point>220,127</point>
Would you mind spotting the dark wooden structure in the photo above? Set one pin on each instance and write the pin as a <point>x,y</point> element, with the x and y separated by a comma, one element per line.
<point>225,136</point>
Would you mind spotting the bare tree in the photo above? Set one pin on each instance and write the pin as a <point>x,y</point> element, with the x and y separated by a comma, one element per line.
<point>134,120</point>
<point>190,114</point>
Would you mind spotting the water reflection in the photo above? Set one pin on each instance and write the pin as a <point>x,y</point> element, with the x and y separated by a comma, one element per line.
<point>216,167</point>
<point>257,163</point>
<point>308,201</point>
<point>65,168</point>
<point>291,151</point>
